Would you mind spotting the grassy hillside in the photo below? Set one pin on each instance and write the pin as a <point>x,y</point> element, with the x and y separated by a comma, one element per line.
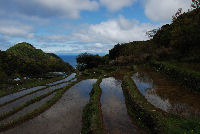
<point>23,59</point>
<point>179,42</point>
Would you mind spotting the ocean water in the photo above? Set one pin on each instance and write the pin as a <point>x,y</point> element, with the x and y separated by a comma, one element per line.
<point>71,59</point>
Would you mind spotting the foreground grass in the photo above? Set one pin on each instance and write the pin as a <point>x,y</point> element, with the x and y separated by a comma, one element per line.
<point>153,120</point>
<point>36,112</point>
<point>92,115</point>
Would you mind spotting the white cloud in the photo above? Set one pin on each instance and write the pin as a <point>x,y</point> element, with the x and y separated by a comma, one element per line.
<point>163,10</point>
<point>114,5</point>
<point>49,8</point>
<point>53,38</point>
<point>15,29</point>
<point>114,31</point>
<point>4,43</point>
<point>70,8</point>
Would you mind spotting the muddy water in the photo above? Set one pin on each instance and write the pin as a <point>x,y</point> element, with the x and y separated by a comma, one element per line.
<point>62,118</point>
<point>166,94</point>
<point>23,100</point>
<point>64,80</point>
<point>18,94</point>
<point>114,111</point>
<point>28,109</point>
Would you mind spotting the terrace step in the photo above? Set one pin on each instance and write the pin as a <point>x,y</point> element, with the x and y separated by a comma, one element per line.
<point>28,109</point>
<point>23,100</point>
<point>23,93</point>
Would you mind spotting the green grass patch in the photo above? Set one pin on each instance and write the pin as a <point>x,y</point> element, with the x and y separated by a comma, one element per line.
<point>154,120</point>
<point>92,115</point>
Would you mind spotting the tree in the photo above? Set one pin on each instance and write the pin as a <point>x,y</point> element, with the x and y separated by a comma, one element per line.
<point>195,4</point>
<point>87,61</point>
<point>151,33</point>
<point>174,17</point>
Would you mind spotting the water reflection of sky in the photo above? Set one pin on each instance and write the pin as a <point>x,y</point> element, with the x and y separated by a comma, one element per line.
<point>163,94</point>
<point>114,109</point>
<point>84,87</point>
<point>146,86</point>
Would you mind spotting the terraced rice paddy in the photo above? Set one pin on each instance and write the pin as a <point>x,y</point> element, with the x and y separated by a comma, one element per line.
<point>63,117</point>
<point>19,94</point>
<point>70,95</point>
<point>114,111</point>
<point>27,109</point>
<point>64,80</point>
<point>166,94</point>
<point>18,104</point>
<point>22,100</point>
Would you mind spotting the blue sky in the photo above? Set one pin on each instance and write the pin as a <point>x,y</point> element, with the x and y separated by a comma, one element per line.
<point>76,26</point>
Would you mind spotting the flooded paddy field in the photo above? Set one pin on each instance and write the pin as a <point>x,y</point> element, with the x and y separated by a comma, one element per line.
<point>18,94</point>
<point>21,101</point>
<point>115,116</point>
<point>166,94</point>
<point>28,109</point>
<point>63,117</point>
<point>64,80</point>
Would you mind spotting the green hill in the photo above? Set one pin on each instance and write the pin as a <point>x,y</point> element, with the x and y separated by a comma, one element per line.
<point>23,59</point>
<point>27,51</point>
<point>179,41</point>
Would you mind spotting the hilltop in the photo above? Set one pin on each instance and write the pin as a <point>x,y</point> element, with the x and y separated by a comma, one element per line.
<point>23,59</point>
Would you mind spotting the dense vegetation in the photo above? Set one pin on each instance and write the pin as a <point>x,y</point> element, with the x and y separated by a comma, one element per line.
<point>25,60</point>
<point>177,41</point>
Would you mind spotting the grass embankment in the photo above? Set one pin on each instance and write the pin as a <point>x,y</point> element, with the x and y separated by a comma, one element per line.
<point>186,78</point>
<point>153,120</point>
<point>92,115</point>
<point>37,111</point>
<point>27,84</point>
